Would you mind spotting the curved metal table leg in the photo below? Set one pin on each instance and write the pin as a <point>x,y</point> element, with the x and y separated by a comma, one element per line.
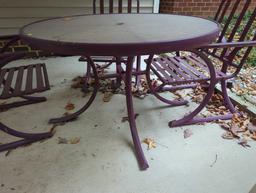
<point>190,118</point>
<point>86,78</point>
<point>177,102</point>
<point>131,116</point>
<point>87,105</point>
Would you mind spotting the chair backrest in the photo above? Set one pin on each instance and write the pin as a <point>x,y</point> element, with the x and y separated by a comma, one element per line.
<point>115,6</point>
<point>9,39</point>
<point>6,55</point>
<point>238,25</point>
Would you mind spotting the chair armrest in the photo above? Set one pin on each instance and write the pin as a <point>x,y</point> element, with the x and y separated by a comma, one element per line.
<point>230,45</point>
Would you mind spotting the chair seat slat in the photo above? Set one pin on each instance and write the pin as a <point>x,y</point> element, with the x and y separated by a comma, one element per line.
<point>180,71</point>
<point>8,83</point>
<point>39,77</point>
<point>188,72</point>
<point>190,68</point>
<point>7,75</point>
<point>199,62</point>
<point>29,81</point>
<point>169,69</point>
<point>19,79</point>
<point>177,70</point>
<point>160,66</point>
<point>46,79</point>
<point>2,75</point>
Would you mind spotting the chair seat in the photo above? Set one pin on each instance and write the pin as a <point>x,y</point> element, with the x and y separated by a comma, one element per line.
<point>177,70</point>
<point>23,80</point>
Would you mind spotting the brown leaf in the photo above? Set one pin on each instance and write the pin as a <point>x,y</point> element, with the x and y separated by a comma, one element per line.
<point>107,96</point>
<point>187,133</point>
<point>150,142</point>
<point>234,129</point>
<point>74,140</point>
<point>78,82</point>
<point>243,142</point>
<point>227,135</point>
<point>62,140</point>
<point>70,106</point>
<point>225,126</point>
<point>253,135</point>
<point>181,93</point>
<point>247,133</point>
<point>251,127</point>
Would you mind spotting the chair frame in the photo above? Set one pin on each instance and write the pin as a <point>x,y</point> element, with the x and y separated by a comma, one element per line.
<point>27,138</point>
<point>225,50</point>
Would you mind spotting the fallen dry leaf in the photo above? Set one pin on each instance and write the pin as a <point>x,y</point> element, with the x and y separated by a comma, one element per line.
<point>243,142</point>
<point>251,127</point>
<point>70,106</point>
<point>150,142</point>
<point>227,135</point>
<point>62,140</point>
<point>234,129</point>
<point>74,140</point>
<point>187,133</point>
<point>66,114</point>
<point>107,96</point>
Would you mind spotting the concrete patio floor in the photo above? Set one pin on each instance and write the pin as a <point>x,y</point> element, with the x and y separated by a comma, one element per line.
<point>104,161</point>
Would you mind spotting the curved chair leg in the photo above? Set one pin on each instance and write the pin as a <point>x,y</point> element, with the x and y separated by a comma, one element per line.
<point>27,137</point>
<point>131,116</point>
<point>118,71</point>
<point>227,100</point>
<point>194,120</point>
<point>190,118</point>
<point>177,102</point>
<point>138,69</point>
<point>106,65</point>
<point>86,78</point>
<point>29,100</point>
<point>87,105</point>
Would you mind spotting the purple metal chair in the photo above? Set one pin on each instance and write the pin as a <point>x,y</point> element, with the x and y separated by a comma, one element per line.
<point>18,82</point>
<point>113,7</point>
<point>181,71</point>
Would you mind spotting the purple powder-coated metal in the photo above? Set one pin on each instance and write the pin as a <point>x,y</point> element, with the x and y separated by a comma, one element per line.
<point>121,35</point>
<point>21,85</point>
<point>108,7</point>
<point>189,71</point>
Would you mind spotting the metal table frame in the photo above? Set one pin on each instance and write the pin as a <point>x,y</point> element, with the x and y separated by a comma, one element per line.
<point>129,50</point>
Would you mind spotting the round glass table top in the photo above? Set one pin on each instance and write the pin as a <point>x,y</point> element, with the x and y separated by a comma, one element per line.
<point>121,30</point>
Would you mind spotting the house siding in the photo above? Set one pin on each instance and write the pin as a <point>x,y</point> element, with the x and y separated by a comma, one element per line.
<point>16,13</point>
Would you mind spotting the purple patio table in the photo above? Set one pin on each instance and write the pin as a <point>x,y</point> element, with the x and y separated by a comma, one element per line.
<point>119,35</point>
